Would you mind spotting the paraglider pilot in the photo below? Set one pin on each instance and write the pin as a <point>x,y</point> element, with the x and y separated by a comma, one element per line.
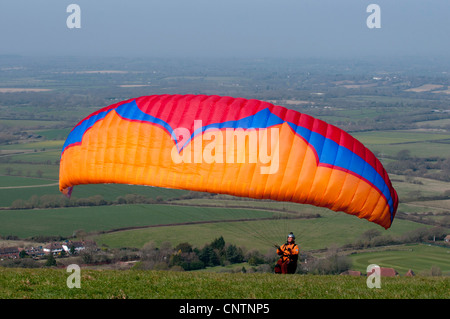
<point>288,252</point>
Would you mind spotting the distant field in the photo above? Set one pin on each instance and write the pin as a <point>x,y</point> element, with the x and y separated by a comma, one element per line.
<point>366,100</point>
<point>243,202</point>
<point>428,206</point>
<point>135,284</point>
<point>425,88</point>
<point>14,181</point>
<point>397,137</point>
<point>435,123</point>
<point>34,145</point>
<point>419,143</point>
<point>29,123</point>
<point>418,257</point>
<point>38,157</point>
<point>108,191</point>
<point>16,90</point>
<point>51,118</point>
<point>419,149</point>
<point>442,204</point>
<point>54,134</point>
<point>429,187</point>
<point>31,170</point>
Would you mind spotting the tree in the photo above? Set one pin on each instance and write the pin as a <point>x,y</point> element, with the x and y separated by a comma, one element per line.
<point>184,247</point>
<point>80,233</point>
<point>370,234</point>
<point>218,243</point>
<point>166,247</point>
<point>51,261</point>
<point>254,258</point>
<point>403,155</point>
<point>435,271</point>
<point>234,254</point>
<point>332,263</point>
<point>208,256</point>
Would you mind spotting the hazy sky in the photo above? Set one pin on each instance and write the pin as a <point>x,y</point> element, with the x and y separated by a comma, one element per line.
<point>227,28</point>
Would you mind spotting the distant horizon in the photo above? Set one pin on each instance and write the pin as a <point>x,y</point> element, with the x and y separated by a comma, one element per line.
<point>234,29</point>
<point>230,57</point>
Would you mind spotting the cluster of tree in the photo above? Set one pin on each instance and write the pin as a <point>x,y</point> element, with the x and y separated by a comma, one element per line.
<point>332,263</point>
<point>20,263</point>
<point>37,238</point>
<point>9,171</point>
<point>434,167</point>
<point>7,137</point>
<point>55,201</point>
<point>186,257</point>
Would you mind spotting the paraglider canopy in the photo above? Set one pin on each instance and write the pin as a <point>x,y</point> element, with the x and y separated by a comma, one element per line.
<point>227,145</point>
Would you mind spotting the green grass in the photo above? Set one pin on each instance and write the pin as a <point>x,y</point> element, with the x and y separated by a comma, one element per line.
<point>382,99</point>
<point>134,284</point>
<point>28,123</point>
<point>443,123</point>
<point>34,145</point>
<point>418,257</point>
<point>397,137</point>
<point>14,181</point>
<point>429,187</point>
<point>424,207</point>
<point>439,204</point>
<point>38,157</point>
<point>8,196</point>
<point>420,144</point>
<point>108,191</point>
<point>247,202</point>
<point>419,149</point>
<point>54,134</point>
<point>31,170</point>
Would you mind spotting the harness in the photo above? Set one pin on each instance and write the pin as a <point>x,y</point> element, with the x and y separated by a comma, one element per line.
<point>290,256</point>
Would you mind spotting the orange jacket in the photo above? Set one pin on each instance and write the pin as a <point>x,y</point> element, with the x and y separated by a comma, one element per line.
<point>288,251</point>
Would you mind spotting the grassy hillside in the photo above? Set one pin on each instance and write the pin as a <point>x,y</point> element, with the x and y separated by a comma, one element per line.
<point>133,284</point>
<point>332,229</point>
